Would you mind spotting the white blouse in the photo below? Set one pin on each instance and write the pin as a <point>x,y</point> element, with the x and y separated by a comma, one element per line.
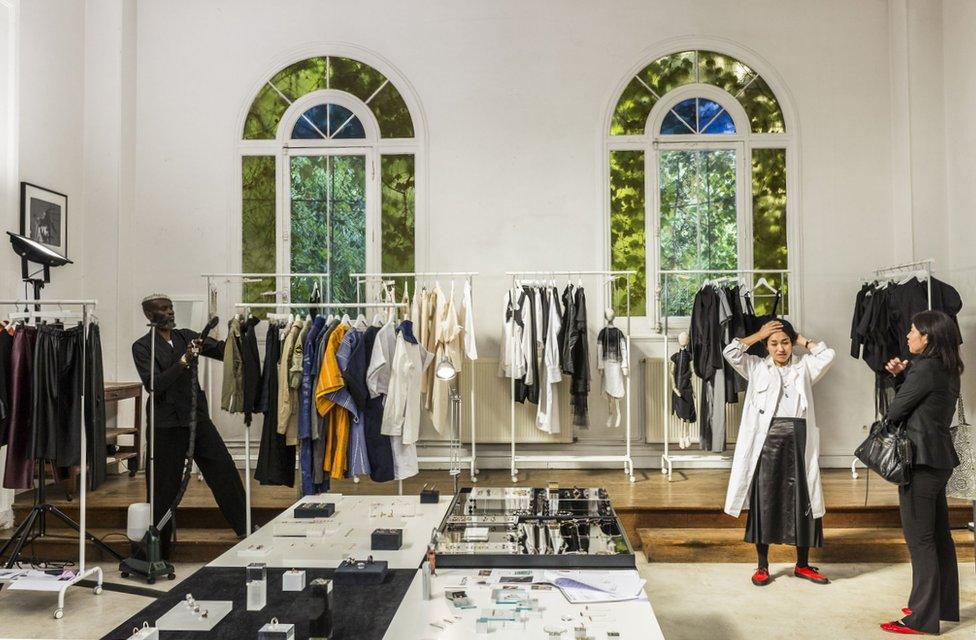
<point>789,405</point>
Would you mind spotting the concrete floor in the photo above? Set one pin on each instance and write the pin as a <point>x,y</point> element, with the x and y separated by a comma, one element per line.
<point>695,601</point>
<point>692,601</point>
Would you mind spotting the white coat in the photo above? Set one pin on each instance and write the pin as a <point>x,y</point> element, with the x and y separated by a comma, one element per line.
<point>758,409</point>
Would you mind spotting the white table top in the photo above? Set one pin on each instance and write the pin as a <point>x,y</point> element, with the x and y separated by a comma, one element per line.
<point>346,533</point>
<point>632,619</point>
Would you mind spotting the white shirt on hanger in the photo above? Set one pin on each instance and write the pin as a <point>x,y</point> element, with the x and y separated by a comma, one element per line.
<point>401,414</point>
<point>547,416</point>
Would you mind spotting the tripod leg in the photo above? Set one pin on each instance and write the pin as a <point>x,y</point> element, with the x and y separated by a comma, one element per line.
<point>21,536</point>
<point>61,515</point>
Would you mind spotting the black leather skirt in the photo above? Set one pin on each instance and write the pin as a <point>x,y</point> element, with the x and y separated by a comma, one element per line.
<point>780,511</point>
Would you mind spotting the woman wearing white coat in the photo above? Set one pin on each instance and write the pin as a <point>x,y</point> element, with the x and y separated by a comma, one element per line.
<point>775,470</point>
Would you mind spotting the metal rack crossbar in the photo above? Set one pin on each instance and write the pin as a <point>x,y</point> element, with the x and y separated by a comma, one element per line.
<point>668,459</point>
<point>365,278</point>
<point>83,570</point>
<point>626,458</point>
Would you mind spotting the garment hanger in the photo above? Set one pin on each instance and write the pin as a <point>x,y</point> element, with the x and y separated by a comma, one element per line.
<point>361,322</point>
<point>763,282</point>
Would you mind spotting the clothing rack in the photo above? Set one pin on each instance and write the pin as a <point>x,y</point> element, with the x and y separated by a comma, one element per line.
<point>626,458</point>
<point>324,280</point>
<point>925,265</point>
<point>247,306</point>
<point>366,278</point>
<point>83,536</point>
<point>668,459</point>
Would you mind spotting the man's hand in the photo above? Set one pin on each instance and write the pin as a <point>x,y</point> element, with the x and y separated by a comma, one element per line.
<point>896,366</point>
<point>192,352</point>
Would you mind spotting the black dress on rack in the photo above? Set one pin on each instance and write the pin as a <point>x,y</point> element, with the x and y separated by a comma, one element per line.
<point>682,395</point>
<point>379,450</point>
<point>276,460</point>
<point>251,361</point>
<point>58,386</point>
<point>95,408</point>
<point>580,384</point>
<point>525,317</point>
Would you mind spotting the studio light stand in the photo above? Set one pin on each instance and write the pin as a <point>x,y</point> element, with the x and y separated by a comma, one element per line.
<point>147,555</point>
<point>447,372</point>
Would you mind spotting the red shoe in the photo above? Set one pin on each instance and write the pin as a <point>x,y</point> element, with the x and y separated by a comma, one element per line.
<point>906,611</point>
<point>811,574</point>
<point>761,577</point>
<point>898,627</point>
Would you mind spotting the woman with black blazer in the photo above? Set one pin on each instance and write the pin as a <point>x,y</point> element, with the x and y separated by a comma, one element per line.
<point>928,389</point>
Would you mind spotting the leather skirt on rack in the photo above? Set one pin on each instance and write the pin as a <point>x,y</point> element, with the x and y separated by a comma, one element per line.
<point>780,511</point>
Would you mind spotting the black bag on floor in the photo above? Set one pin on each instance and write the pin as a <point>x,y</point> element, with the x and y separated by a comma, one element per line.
<point>888,452</point>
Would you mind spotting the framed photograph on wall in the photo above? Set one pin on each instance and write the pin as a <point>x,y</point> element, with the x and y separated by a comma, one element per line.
<point>44,217</point>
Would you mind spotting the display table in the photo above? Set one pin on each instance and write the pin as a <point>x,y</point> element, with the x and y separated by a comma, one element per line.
<point>416,618</point>
<point>361,612</point>
<point>325,542</point>
<point>395,609</point>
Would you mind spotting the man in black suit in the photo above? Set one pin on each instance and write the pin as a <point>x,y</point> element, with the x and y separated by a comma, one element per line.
<point>176,349</point>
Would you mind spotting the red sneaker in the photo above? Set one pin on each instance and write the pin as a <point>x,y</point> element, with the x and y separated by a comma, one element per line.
<point>761,577</point>
<point>810,573</point>
<point>898,627</point>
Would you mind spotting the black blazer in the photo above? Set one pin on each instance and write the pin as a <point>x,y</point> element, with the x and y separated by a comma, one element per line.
<point>926,401</point>
<point>173,380</point>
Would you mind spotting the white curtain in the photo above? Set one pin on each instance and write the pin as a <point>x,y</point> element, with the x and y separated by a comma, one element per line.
<point>6,496</point>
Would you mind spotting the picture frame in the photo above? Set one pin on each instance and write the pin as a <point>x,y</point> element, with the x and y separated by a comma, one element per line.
<point>44,217</point>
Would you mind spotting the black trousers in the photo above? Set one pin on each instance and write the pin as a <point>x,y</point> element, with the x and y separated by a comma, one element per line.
<point>215,463</point>
<point>935,574</point>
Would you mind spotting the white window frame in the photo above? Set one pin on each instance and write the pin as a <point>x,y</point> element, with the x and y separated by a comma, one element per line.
<point>372,146</point>
<point>737,141</point>
<point>651,140</point>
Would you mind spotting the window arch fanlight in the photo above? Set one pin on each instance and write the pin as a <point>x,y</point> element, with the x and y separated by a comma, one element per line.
<point>697,148</point>
<point>328,176</point>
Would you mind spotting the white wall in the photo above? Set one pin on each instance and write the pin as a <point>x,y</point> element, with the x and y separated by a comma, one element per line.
<point>959,22</point>
<point>51,127</point>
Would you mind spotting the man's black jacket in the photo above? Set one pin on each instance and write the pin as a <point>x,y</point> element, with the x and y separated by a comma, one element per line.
<point>173,380</point>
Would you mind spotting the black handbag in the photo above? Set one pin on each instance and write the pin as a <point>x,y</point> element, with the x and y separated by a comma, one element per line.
<point>888,452</point>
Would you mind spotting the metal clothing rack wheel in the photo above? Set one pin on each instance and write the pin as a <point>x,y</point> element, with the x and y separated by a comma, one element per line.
<point>626,458</point>
<point>362,281</point>
<point>668,460</point>
<point>925,265</point>
<point>41,509</point>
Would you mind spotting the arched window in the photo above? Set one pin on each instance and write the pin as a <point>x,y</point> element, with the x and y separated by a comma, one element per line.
<point>328,175</point>
<point>697,149</point>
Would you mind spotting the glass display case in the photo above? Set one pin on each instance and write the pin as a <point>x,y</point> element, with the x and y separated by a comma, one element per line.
<point>532,528</point>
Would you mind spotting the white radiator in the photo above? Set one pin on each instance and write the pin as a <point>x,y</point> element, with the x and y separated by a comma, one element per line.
<point>654,407</point>
<point>493,410</point>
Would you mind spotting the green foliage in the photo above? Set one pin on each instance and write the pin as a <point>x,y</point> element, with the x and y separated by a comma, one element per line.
<point>672,71</point>
<point>723,72</point>
<point>397,174</point>
<point>313,74</point>
<point>759,102</point>
<point>628,239</point>
<point>328,221</point>
<point>355,77</point>
<point>257,222</point>
<point>698,219</point>
<point>769,221</point>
